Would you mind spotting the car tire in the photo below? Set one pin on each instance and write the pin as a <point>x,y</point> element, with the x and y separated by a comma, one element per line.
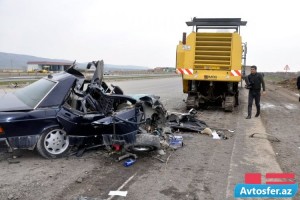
<point>144,143</point>
<point>53,143</point>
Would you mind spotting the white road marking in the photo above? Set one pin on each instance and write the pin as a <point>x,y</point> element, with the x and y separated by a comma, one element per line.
<point>228,191</point>
<point>123,185</point>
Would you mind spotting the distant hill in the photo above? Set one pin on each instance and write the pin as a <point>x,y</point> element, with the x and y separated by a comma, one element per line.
<point>19,61</point>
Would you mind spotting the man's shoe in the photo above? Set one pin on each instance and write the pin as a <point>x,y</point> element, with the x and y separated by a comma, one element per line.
<point>257,114</point>
<point>248,117</point>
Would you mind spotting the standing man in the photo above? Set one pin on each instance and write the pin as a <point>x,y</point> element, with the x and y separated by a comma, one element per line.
<point>298,85</point>
<point>256,80</point>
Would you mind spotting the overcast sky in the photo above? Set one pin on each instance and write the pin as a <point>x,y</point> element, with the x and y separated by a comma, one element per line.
<point>144,33</point>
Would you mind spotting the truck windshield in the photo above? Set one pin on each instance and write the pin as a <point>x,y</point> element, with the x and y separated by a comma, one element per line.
<point>35,92</point>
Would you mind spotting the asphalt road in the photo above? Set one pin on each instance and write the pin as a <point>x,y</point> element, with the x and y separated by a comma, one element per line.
<point>203,169</point>
<point>169,90</point>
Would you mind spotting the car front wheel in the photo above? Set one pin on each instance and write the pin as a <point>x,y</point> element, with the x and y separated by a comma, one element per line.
<point>53,143</point>
<point>144,143</point>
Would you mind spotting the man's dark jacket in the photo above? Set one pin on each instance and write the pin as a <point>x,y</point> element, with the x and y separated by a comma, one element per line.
<point>256,80</point>
<point>298,82</point>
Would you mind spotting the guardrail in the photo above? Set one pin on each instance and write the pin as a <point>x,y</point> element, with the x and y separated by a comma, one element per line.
<point>13,74</point>
<point>24,77</point>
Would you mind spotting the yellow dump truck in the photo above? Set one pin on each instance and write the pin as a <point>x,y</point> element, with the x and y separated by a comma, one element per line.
<point>210,61</point>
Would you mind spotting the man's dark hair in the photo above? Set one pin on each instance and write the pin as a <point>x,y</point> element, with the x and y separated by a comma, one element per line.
<point>254,67</point>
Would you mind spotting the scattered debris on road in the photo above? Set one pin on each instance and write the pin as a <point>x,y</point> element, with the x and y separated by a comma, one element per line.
<point>118,193</point>
<point>79,180</point>
<point>275,139</point>
<point>13,161</point>
<point>176,141</point>
<point>215,135</point>
<point>129,162</point>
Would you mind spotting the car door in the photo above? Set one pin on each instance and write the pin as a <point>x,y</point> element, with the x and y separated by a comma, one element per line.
<point>76,122</point>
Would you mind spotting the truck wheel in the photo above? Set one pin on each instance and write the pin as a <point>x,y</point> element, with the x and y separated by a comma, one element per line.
<point>236,99</point>
<point>191,102</point>
<point>53,143</point>
<point>229,103</point>
<point>144,143</point>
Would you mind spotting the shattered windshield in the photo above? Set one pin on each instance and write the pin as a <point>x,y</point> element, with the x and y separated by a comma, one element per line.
<point>35,92</point>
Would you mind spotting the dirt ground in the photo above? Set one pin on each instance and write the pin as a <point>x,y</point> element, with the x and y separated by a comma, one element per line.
<point>281,118</point>
<point>203,169</point>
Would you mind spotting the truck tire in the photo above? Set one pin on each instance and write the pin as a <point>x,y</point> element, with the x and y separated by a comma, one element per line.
<point>229,103</point>
<point>192,102</point>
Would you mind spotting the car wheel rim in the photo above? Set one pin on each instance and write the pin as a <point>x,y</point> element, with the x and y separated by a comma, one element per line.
<point>56,141</point>
<point>141,148</point>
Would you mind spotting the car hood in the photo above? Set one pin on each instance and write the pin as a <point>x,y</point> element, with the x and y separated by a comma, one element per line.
<point>9,102</point>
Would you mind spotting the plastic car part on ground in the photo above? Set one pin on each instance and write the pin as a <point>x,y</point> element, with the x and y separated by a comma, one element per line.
<point>186,121</point>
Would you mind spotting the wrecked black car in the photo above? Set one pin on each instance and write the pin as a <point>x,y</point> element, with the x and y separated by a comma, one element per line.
<point>65,109</point>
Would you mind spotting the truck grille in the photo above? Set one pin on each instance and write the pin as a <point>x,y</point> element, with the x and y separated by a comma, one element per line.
<point>213,51</point>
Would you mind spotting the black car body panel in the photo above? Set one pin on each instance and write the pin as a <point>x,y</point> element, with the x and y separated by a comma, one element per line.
<point>77,123</point>
<point>27,123</point>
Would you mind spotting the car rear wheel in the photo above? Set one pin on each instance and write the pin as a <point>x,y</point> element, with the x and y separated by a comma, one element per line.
<point>53,143</point>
